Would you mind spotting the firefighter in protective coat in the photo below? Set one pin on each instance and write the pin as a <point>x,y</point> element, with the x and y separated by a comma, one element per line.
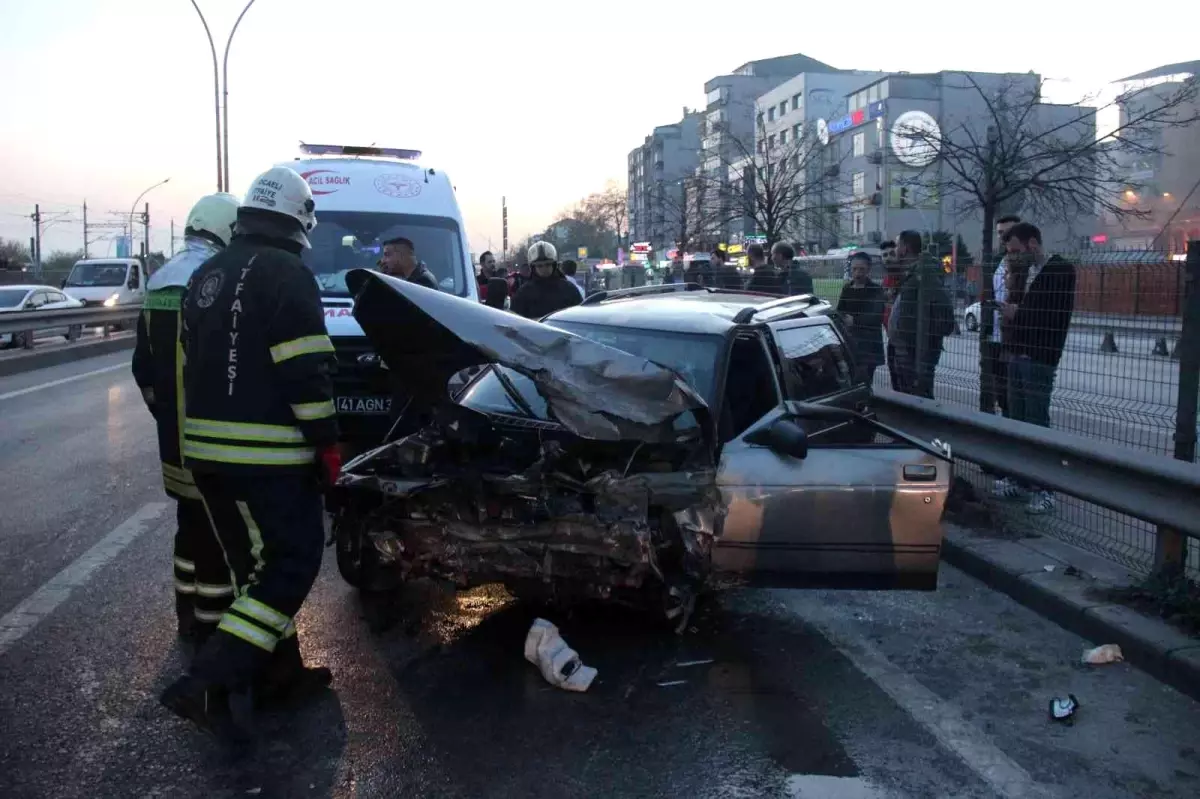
<point>202,585</point>
<point>260,437</point>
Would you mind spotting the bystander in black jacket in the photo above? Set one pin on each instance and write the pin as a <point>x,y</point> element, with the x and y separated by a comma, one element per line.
<point>865,304</point>
<point>800,281</point>
<point>767,280</point>
<point>1039,330</point>
<point>423,277</point>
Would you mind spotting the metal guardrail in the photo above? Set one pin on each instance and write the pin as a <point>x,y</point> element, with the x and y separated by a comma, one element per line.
<point>22,321</point>
<point>1140,484</point>
<point>32,321</point>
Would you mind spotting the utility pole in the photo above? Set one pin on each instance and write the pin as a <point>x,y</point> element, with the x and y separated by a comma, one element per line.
<point>172,237</point>
<point>85,230</point>
<point>504,223</point>
<point>146,235</point>
<point>36,254</point>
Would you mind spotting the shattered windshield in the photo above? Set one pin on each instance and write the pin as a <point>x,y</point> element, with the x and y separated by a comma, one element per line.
<point>345,240</point>
<point>693,357</point>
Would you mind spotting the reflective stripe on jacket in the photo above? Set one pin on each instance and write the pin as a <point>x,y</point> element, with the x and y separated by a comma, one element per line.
<point>259,362</point>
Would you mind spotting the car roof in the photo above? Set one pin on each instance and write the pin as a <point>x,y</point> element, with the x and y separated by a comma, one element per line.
<point>29,287</point>
<point>687,309</point>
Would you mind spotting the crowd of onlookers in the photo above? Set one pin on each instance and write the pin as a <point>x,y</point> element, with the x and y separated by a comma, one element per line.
<point>1023,333</point>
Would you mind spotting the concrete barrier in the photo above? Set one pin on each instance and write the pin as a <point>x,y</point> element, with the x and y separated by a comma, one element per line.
<point>27,361</point>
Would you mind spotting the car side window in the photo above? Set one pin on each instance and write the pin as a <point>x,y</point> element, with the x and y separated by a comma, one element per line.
<point>37,299</point>
<point>814,361</point>
<point>55,296</point>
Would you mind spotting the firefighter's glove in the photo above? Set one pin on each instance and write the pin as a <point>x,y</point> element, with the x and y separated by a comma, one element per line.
<point>330,461</point>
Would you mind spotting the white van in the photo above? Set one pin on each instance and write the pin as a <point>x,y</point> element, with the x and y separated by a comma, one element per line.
<point>365,196</point>
<point>111,282</point>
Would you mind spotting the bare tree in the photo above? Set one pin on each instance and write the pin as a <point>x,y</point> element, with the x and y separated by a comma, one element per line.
<point>1048,161</point>
<point>688,213</point>
<point>13,254</point>
<point>781,182</point>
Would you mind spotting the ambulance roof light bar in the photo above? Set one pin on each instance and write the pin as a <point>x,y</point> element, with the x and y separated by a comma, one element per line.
<point>356,151</point>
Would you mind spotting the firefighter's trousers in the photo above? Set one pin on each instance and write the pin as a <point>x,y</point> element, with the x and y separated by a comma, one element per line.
<point>203,585</point>
<point>272,531</point>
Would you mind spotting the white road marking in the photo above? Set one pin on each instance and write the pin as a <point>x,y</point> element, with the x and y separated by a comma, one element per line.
<point>815,786</point>
<point>23,391</point>
<point>941,718</point>
<point>41,603</point>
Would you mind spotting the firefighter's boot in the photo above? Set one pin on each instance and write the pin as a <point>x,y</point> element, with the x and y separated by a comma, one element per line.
<point>286,680</point>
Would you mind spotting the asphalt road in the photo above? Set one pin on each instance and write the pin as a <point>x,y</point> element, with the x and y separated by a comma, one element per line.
<point>809,694</point>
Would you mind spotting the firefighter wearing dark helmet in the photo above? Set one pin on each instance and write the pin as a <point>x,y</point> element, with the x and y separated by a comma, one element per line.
<point>260,438</point>
<point>202,588</point>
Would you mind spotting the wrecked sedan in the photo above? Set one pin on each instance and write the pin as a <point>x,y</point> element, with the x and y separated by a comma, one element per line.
<point>639,448</point>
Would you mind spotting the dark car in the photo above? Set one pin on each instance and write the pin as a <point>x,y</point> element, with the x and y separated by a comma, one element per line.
<point>640,447</point>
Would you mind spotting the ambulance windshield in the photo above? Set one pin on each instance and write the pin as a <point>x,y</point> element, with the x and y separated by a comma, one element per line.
<point>345,240</point>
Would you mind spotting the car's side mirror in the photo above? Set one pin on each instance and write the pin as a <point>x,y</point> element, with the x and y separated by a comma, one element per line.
<point>784,437</point>
<point>497,292</point>
<point>63,284</point>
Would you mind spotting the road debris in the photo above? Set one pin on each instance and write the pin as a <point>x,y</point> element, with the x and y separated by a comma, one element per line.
<point>1109,653</point>
<point>559,663</point>
<point>1064,708</point>
<point>669,683</point>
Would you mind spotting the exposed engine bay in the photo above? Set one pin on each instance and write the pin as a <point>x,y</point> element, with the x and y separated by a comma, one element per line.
<point>470,499</point>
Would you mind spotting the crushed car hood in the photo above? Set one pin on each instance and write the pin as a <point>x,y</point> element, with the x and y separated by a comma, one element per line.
<point>425,337</point>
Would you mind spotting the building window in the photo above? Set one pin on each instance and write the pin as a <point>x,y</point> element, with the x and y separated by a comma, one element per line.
<point>783,109</point>
<point>771,114</point>
<point>797,129</point>
<point>796,102</point>
<point>762,145</point>
<point>771,142</point>
<point>860,144</point>
<point>883,90</point>
<point>860,184</point>
<point>783,138</point>
<point>718,95</point>
<point>873,93</point>
<point>796,160</point>
<point>857,222</point>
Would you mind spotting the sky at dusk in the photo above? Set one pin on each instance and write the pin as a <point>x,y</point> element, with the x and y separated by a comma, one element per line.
<point>539,101</point>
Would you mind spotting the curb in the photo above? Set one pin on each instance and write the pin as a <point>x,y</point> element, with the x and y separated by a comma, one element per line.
<point>68,353</point>
<point>1019,569</point>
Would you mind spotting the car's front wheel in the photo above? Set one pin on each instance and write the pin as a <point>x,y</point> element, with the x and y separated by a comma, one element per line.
<point>972,322</point>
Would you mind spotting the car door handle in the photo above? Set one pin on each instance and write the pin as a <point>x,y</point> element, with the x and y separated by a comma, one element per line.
<point>920,472</point>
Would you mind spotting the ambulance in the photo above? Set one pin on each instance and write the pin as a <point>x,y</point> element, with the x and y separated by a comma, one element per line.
<point>365,196</point>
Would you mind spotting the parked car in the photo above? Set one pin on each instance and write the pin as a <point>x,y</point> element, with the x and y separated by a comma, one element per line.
<point>971,317</point>
<point>641,448</point>
<point>36,298</point>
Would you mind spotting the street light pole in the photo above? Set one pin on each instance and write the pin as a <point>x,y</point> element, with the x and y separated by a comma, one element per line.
<point>225,85</point>
<point>216,101</point>
<point>134,209</point>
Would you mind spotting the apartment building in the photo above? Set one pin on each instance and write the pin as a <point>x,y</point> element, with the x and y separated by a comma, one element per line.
<point>1160,183</point>
<point>893,182</point>
<point>730,133</point>
<point>669,155</point>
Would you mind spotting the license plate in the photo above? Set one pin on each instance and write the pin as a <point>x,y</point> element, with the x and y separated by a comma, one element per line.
<point>367,406</point>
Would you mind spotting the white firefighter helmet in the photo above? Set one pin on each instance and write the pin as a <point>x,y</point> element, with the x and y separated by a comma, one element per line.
<point>281,190</point>
<point>214,214</point>
<point>541,251</point>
